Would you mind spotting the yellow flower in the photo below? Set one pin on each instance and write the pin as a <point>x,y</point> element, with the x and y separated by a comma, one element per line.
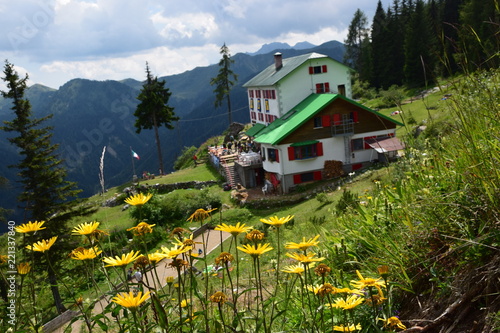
<point>218,297</point>
<point>184,303</point>
<point>42,245</point>
<point>393,322</point>
<point>170,280</point>
<point>304,245</point>
<point>3,259</point>
<point>304,258</point>
<point>224,258</point>
<point>322,270</point>
<point>234,230</point>
<point>142,228</point>
<point>187,242</point>
<point>155,257</point>
<point>368,282</point>
<point>23,268</point>
<point>350,328</point>
<point>200,215</point>
<point>277,222</point>
<point>255,250</point>
<point>84,254</point>
<point>255,235</point>
<point>30,227</point>
<point>383,270</point>
<point>86,228</point>
<point>296,269</point>
<point>315,289</point>
<point>347,304</point>
<point>125,259</point>
<point>139,199</point>
<point>131,301</point>
<point>174,251</point>
<point>96,235</point>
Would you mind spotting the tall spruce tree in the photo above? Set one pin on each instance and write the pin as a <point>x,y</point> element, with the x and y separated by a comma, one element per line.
<point>379,46</point>
<point>356,43</point>
<point>224,81</point>
<point>153,110</point>
<point>45,192</point>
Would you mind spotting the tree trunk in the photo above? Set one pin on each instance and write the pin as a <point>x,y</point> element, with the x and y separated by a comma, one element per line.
<point>55,291</point>
<point>158,144</point>
<point>229,109</point>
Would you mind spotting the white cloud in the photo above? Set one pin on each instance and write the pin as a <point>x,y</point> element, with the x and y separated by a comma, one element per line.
<point>56,40</point>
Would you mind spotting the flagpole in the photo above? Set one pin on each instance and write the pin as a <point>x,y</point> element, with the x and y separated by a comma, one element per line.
<point>134,176</point>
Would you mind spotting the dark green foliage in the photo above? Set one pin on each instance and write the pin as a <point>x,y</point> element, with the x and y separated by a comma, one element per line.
<point>185,160</point>
<point>224,81</point>
<point>355,42</point>
<point>173,209</point>
<point>348,200</point>
<point>153,110</point>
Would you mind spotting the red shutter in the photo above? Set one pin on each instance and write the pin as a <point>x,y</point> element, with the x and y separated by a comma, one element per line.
<point>367,146</point>
<point>291,153</point>
<point>319,88</point>
<point>277,155</point>
<point>327,87</point>
<point>317,175</point>
<point>296,179</point>
<point>311,70</point>
<point>354,115</point>
<point>323,69</point>
<point>327,120</point>
<point>337,119</point>
<point>319,149</point>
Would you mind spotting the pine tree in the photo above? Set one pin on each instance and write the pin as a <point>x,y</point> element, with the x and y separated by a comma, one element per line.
<point>379,46</point>
<point>355,44</point>
<point>224,81</point>
<point>153,110</point>
<point>45,192</point>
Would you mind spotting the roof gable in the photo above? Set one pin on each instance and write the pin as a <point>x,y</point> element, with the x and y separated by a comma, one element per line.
<point>302,112</point>
<point>270,76</point>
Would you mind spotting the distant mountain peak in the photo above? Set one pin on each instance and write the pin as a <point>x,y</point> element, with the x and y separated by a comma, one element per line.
<point>270,47</point>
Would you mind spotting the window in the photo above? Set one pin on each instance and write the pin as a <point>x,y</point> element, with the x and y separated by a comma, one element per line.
<point>317,69</point>
<point>257,93</point>
<point>269,94</point>
<point>250,93</point>
<point>261,117</point>
<point>253,115</point>
<point>322,88</point>
<point>305,150</point>
<point>357,144</point>
<point>307,177</point>
<point>273,155</point>
<point>318,123</point>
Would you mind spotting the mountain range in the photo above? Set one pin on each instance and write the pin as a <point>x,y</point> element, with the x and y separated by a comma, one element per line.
<point>88,115</point>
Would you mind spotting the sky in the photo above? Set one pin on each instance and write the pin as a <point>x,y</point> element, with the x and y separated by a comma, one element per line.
<point>55,41</point>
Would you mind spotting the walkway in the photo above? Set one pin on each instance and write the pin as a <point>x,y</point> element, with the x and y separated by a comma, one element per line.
<point>212,241</point>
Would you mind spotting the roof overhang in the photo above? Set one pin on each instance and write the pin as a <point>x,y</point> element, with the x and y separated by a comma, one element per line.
<point>384,145</point>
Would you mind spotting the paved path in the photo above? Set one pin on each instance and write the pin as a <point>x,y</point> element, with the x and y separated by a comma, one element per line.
<point>212,241</point>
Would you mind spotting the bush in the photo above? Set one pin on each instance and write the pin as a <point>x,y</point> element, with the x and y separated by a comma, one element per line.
<point>185,160</point>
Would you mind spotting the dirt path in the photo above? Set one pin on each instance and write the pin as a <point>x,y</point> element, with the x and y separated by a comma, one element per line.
<point>212,240</point>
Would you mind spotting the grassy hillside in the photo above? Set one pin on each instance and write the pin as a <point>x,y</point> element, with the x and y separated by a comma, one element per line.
<point>421,231</point>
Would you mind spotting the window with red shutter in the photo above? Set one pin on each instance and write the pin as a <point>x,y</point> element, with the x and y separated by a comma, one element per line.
<point>327,87</point>
<point>327,120</point>
<point>354,116</point>
<point>319,149</point>
<point>297,179</point>
<point>317,175</point>
<point>311,70</point>
<point>337,119</point>
<point>291,153</point>
<point>323,68</point>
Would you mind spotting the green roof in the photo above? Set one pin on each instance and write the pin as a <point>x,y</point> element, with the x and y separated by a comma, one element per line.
<point>305,110</point>
<point>255,129</point>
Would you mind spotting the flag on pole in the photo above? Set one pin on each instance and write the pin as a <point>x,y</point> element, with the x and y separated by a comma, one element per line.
<point>134,155</point>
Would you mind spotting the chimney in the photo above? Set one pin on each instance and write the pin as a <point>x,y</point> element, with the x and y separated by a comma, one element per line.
<point>278,60</point>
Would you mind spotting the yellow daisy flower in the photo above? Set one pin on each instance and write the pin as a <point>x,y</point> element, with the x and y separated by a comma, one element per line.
<point>393,322</point>
<point>86,228</point>
<point>125,259</point>
<point>3,259</point>
<point>304,245</point>
<point>304,258</point>
<point>84,254</point>
<point>30,227</point>
<point>347,304</point>
<point>142,228</point>
<point>218,297</point>
<point>174,251</point>
<point>277,222</point>
<point>255,250</point>
<point>155,257</point>
<point>23,268</point>
<point>42,245</point>
<point>200,215</point>
<point>255,235</point>
<point>234,230</point>
<point>139,199</point>
<point>350,328</point>
<point>187,242</point>
<point>296,269</point>
<point>184,303</point>
<point>368,282</point>
<point>314,288</point>
<point>131,301</point>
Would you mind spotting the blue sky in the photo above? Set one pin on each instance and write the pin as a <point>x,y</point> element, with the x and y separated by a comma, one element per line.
<point>55,41</point>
